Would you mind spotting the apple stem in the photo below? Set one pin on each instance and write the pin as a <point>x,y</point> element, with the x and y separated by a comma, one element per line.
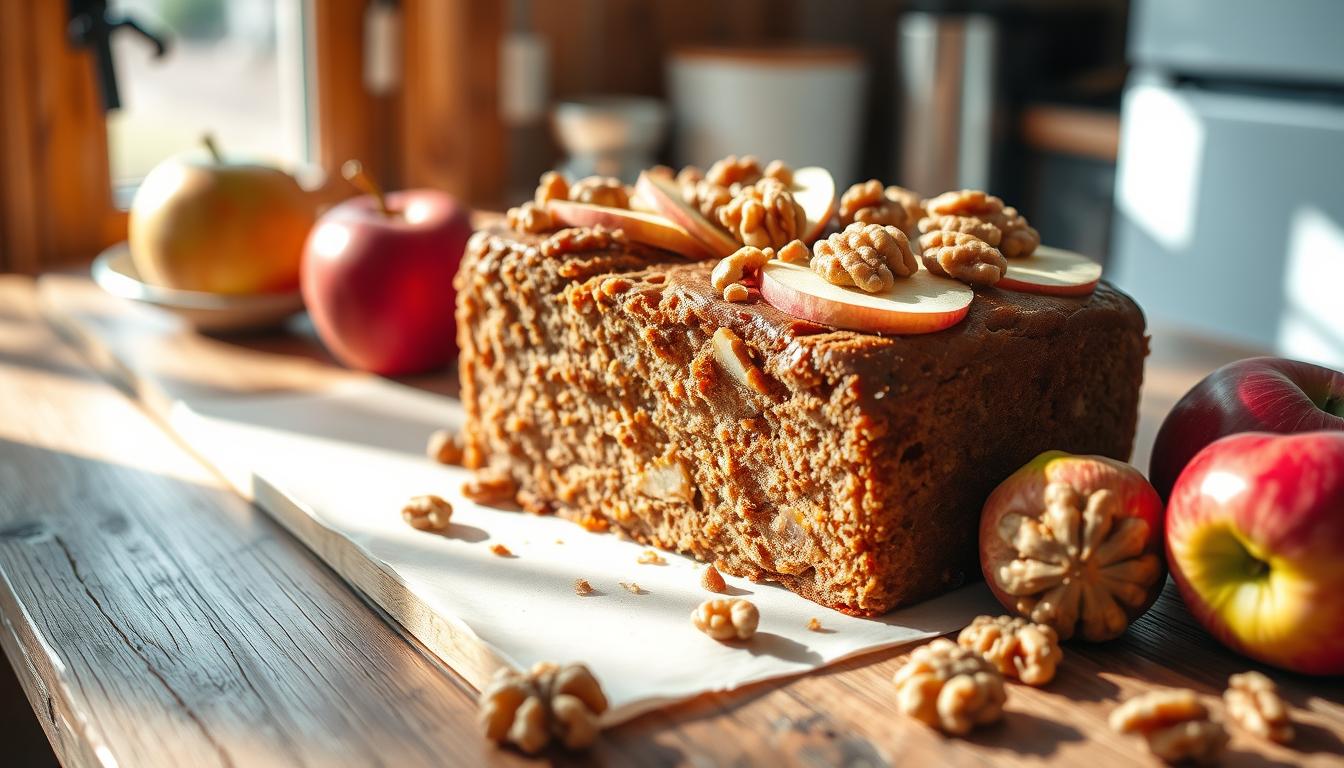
<point>209,141</point>
<point>354,172</point>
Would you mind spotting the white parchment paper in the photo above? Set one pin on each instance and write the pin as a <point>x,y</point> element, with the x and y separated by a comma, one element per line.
<point>351,456</point>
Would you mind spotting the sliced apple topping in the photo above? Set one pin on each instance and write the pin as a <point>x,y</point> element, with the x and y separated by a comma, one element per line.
<point>921,303</point>
<point>814,189</point>
<point>640,227</point>
<point>1052,271</point>
<point>664,195</point>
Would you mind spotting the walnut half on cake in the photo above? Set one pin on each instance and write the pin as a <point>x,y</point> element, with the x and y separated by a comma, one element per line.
<point>849,467</point>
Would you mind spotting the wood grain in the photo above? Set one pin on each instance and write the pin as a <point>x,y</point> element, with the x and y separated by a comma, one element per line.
<point>189,627</point>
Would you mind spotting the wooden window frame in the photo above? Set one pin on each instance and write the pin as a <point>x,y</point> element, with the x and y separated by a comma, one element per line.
<point>57,205</point>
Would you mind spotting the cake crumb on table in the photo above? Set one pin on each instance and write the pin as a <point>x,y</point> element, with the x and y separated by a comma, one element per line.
<point>632,587</point>
<point>445,447</point>
<point>501,550</point>
<point>814,624</point>
<point>649,557</point>
<point>712,580</point>
<point>490,486</point>
<point>582,587</point>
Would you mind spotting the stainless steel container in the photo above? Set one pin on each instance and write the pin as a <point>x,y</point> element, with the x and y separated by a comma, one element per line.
<point>947,81</point>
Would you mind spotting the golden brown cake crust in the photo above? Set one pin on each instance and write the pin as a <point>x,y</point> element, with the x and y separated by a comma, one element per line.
<point>848,467</point>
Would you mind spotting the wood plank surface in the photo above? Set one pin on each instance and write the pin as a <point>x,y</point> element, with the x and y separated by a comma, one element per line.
<point>156,619</point>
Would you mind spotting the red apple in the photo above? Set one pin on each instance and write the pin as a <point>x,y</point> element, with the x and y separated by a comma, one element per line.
<point>1053,272</point>
<point>921,303</point>
<point>1255,539</point>
<point>647,228</point>
<point>1259,394</point>
<point>1074,542</point>
<point>378,281</point>
<point>663,194</point>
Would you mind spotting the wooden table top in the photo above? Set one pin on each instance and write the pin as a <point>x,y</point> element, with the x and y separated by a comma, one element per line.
<point>152,617</point>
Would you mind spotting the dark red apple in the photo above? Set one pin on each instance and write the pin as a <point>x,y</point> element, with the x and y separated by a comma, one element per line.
<point>1259,394</point>
<point>378,280</point>
<point>1255,541</point>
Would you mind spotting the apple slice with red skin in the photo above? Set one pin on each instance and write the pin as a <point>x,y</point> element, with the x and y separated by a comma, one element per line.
<point>664,195</point>
<point>921,303</point>
<point>814,189</point>
<point>640,227</point>
<point>1053,272</point>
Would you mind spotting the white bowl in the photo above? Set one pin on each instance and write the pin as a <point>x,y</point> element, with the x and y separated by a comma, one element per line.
<point>115,273</point>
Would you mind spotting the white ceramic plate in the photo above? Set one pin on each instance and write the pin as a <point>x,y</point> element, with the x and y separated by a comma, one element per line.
<point>115,273</point>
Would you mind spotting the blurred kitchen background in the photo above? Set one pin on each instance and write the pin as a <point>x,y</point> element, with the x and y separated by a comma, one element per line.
<point>1195,147</point>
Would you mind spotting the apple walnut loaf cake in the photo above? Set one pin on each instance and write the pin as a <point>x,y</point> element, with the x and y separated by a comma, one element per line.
<point>617,388</point>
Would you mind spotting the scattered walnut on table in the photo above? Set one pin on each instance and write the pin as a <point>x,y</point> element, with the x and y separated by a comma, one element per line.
<point>961,256</point>
<point>733,170</point>
<point>631,587</point>
<point>712,580</point>
<point>529,217</point>
<point>949,687</point>
<point>649,557</point>
<point>490,486</point>
<point>427,513</point>
<point>867,202</point>
<point>764,214</point>
<point>867,256</point>
<point>814,624</point>
<point>582,239</point>
<point>549,702</point>
<point>600,190</point>
<point>1019,648</point>
<point>1253,702</point>
<point>445,447</point>
<point>582,588</point>
<point>1175,724</point>
<point>551,187</point>
<point>727,618</point>
<point>1078,564</point>
<point>500,550</point>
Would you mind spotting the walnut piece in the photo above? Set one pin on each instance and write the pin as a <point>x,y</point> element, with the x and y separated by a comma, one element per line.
<point>1175,724</point>
<point>764,215</point>
<point>1020,239</point>
<point>550,701</point>
<point>445,447</point>
<point>779,171</point>
<point>1019,648</point>
<point>707,198</point>
<point>949,687</point>
<point>733,356</point>
<point>689,176</point>
<point>978,228</point>
<point>964,202</point>
<point>649,557</point>
<point>600,190</point>
<point>867,202</point>
<point>742,263</point>
<point>1078,564</point>
<point>1253,702</point>
<point>713,581</point>
<point>814,624</point>
<point>736,292</point>
<point>794,253</point>
<point>427,513</point>
<point>490,486</point>
<point>581,239</point>
<point>727,618</point>
<point>910,201</point>
<point>867,256</point>
<point>666,479</point>
<point>551,187</point>
<point>731,170</point>
<point>631,587</point>
<point>961,256</point>
<point>530,217</point>
<point>1017,239</point>
<point>499,550</point>
<point>582,588</point>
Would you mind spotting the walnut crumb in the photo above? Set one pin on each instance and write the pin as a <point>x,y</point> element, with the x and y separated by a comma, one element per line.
<point>949,687</point>
<point>529,217</point>
<point>631,587</point>
<point>736,292</point>
<point>582,587</point>
<point>427,513</point>
<point>743,263</point>
<point>814,624</point>
<point>1019,648</point>
<point>490,486</point>
<point>581,240</point>
<point>600,190</point>
<point>713,581</point>
<point>501,550</point>
<point>866,256</point>
<point>1175,724</point>
<point>550,701</point>
<point>1253,702</point>
<point>445,447</point>
<point>727,618</point>
<point>551,187</point>
<point>649,557</point>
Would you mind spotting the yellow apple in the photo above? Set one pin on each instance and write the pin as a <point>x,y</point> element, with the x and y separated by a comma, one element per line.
<point>209,225</point>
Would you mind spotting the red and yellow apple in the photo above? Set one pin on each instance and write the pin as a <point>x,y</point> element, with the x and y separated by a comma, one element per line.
<point>1053,272</point>
<point>1074,542</point>
<point>921,303</point>
<point>211,225</point>
<point>1255,539</point>
<point>378,278</point>
<point>647,228</point>
<point>1259,394</point>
